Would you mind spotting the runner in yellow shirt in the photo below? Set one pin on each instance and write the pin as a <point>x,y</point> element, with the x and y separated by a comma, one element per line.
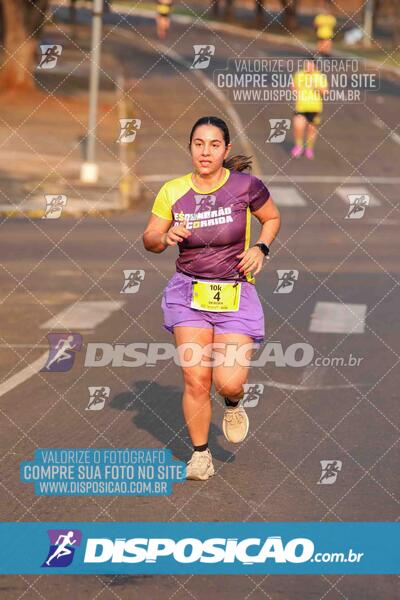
<point>324,25</point>
<point>309,85</point>
<point>163,14</point>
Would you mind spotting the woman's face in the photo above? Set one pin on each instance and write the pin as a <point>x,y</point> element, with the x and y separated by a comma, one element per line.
<point>208,149</point>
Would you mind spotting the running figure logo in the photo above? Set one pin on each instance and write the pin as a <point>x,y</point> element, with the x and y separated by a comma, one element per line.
<point>62,547</point>
<point>62,351</point>
<point>54,205</point>
<point>202,56</point>
<point>97,397</point>
<point>330,470</point>
<point>358,204</point>
<point>50,54</point>
<point>278,130</point>
<point>132,282</point>
<point>286,279</point>
<point>252,393</point>
<point>204,203</point>
<point>129,128</point>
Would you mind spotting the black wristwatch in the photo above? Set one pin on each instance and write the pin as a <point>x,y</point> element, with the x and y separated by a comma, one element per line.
<point>263,247</point>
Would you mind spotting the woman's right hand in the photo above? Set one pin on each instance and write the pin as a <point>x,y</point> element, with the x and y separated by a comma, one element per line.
<point>176,234</point>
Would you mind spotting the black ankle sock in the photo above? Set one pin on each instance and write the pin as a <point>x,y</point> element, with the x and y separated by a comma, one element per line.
<point>201,448</point>
<point>231,402</point>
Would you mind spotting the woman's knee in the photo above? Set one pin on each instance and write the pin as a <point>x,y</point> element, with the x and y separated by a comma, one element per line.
<point>229,389</point>
<point>197,382</point>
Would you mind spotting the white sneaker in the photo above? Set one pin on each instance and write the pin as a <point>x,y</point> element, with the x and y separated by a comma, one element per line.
<point>200,466</point>
<point>235,424</point>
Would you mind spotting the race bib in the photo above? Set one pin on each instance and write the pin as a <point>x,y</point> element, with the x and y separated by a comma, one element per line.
<point>215,296</point>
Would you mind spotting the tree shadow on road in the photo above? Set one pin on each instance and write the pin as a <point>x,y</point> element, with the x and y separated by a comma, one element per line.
<point>157,409</point>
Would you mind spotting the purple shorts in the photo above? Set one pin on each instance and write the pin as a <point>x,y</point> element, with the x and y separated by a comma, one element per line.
<point>249,319</point>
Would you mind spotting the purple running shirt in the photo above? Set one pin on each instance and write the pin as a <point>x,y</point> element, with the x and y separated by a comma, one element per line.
<point>219,221</point>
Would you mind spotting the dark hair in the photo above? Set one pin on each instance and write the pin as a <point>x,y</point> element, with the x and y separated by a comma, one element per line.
<point>239,162</point>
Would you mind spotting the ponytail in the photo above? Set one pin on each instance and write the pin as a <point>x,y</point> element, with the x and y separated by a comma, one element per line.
<point>239,162</point>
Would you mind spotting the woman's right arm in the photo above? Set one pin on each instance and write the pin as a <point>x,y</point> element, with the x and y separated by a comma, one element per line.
<point>159,234</point>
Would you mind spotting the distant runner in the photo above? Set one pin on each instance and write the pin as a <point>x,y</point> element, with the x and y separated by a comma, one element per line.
<point>309,85</point>
<point>163,18</point>
<point>324,25</point>
<point>212,297</point>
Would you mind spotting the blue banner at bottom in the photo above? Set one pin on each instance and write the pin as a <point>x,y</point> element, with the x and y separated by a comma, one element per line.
<point>194,548</point>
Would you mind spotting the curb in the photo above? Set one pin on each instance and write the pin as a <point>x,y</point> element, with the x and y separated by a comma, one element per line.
<point>36,213</point>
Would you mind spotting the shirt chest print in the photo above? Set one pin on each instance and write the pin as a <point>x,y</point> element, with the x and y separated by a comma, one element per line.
<point>206,214</point>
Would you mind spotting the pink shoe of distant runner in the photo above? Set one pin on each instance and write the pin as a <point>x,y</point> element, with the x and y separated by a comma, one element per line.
<point>297,151</point>
<point>309,153</point>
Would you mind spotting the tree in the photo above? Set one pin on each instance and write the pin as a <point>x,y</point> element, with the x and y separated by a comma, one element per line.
<point>289,14</point>
<point>22,24</point>
<point>229,12</point>
<point>396,23</point>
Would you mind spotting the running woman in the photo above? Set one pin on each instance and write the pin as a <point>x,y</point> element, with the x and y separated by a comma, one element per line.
<point>212,297</point>
<point>309,85</point>
<point>163,20</point>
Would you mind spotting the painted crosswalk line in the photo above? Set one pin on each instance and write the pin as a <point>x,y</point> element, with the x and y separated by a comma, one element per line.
<point>345,191</point>
<point>83,315</point>
<point>286,196</point>
<point>337,317</point>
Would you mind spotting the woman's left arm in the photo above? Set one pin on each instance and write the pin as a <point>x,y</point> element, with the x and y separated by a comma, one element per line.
<point>269,216</point>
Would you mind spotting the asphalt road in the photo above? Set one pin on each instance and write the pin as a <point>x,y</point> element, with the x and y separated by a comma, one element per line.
<point>305,415</point>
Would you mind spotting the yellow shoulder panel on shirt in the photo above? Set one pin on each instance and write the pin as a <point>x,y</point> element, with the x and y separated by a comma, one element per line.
<point>169,193</point>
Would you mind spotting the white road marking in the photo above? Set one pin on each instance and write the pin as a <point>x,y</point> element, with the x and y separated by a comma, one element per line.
<point>382,125</point>
<point>306,388</point>
<point>7,346</point>
<point>295,179</point>
<point>343,193</point>
<point>82,315</point>
<point>337,317</point>
<point>314,376</point>
<point>23,375</point>
<point>287,196</point>
<point>331,179</point>
<point>73,205</point>
<point>380,221</point>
